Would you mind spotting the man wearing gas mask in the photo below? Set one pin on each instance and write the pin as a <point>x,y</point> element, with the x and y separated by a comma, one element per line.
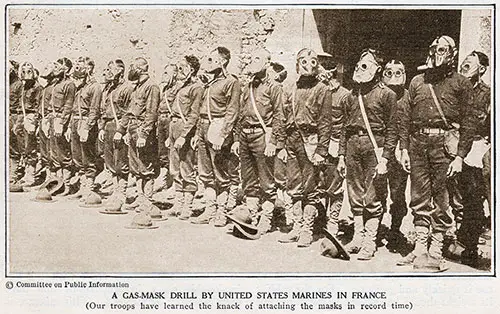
<point>471,184</point>
<point>260,134</point>
<point>218,113</point>
<point>185,109</point>
<point>138,130</point>
<point>394,76</point>
<point>15,124</point>
<point>84,131</point>
<point>115,102</point>
<point>61,106</point>
<point>29,103</point>
<point>332,181</point>
<point>308,115</point>
<point>367,142</point>
<point>440,102</point>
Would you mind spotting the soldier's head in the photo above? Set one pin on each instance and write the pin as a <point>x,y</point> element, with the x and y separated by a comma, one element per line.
<point>62,67</point>
<point>48,71</point>
<point>138,68</point>
<point>216,60</point>
<point>187,68</point>
<point>27,72</point>
<point>260,61</point>
<point>475,65</point>
<point>307,62</point>
<point>328,74</point>
<point>394,73</point>
<point>84,67</point>
<point>277,72</point>
<point>369,66</point>
<point>13,69</point>
<point>442,54</point>
<point>169,75</point>
<point>114,71</point>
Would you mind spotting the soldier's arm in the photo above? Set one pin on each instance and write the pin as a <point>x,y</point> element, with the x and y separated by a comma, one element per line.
<point>470,111</point>
<point>38,102</point>
<point>69,99</point>
<point>404,117</point>
<point>151,114</point>
<point>344,103</point>
<point>278,132</point>
<point>95,102</point>
<point>324,120</point>
<point>233,107</point>
<point>194,113</point>
<point>391,129</point>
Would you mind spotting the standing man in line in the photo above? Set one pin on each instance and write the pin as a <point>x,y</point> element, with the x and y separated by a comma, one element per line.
<point>84,129</point>
<point>218,114</point>
<point>138,130</point>
<point>15,128</point>
<point>114,104</point>
<point>260,136</point>
<point>367,142</point>
<point>308,115</point>
<point>61,106</point>
<point>440,106</point>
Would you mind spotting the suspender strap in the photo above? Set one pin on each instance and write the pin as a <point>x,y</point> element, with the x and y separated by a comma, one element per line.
<point>43,103</point>
<point>22,101</point>
<point>178,105</point>
<point>254,105</point>
<point>367,123</point>
<point>438,106</point>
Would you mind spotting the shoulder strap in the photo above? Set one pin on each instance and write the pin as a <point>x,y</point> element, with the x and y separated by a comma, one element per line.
<point>166,102</point>
<point>254,105</point>
<point>367,123</point>
<point>179,108</point>
<point>438,106</point>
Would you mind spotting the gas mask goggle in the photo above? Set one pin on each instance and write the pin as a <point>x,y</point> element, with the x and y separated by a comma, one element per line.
<point>62,67</point>
<point>442,52</point>
<point>366,68</point>
<point>27,72</point>
<point>471,67</point>
<point>112,72</point>
<point>169,75</point>
<point>307,62</point>
<point>394,74</point>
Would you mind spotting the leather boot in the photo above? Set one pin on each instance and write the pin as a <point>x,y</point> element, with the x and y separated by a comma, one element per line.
<point>65,174</point>
<point>287,201</point>
<point>253,208</point>
<point>187,209</point>
<point>436,262</point>
<point>298,220</point>
<point>29,176</point>
<point>177,206</point>
<point>91,187</point>
<point>266,215</point>
<point>210,208</point>
<point>139,198</point>
<point>334,207</point>
<point>220,219</point>
<point>369,245</point>
<point>306,234</point>
<point>160,182</point>
<point>147,191</point>
<point>421,238</point>
<point>231,199</point>
<point>81,189</point>
<point>354,246</point>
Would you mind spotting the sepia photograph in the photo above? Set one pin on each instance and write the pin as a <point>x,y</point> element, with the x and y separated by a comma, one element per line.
<point>178,141</point>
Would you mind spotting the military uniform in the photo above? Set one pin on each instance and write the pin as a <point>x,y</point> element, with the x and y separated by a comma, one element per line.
<point>221,102</point>
<point>256,168</point>
<point>45,122</point>
<point>15,130</point>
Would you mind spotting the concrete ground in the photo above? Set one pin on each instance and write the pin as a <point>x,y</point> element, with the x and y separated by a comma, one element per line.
<point>63,238</point>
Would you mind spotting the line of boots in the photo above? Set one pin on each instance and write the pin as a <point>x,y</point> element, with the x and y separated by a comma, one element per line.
<point>303,222</point>
<point>364,238</point>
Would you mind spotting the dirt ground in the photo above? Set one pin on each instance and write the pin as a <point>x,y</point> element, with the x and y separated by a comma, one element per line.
<point>63,238</point>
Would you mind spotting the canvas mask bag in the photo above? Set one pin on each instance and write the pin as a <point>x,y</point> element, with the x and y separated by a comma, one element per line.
<point>452,135</point>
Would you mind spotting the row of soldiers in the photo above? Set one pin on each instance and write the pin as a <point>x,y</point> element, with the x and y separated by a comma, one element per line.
<point>203,124</point>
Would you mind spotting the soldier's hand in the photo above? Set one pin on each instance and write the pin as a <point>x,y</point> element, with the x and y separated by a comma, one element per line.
<point>84,135</point>
<point>317,159</point>
<point>381,167</point>
<point>283,155</point>
<point>100,136</point>
<point>235,148</point>
<point>405,160</point>
<point>179,143</point>
<point>341,166</point>
<point>455,166</point>
<point>118,137</point>
<point>67,134</point>
<point>167,142</point>
<point>141,142</point>
<point>194,142</point>
<point>126,139</point>
<point>270,150</point>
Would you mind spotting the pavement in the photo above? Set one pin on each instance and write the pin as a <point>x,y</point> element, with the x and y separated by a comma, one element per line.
<point>62,238</point>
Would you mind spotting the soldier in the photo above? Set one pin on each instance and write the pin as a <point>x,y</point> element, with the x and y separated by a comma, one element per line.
<point>84,129</point>
<point>44,112</point>
<point>61,106</point>
<point>29,103</point>
<point>260,135</point>
<point>185,110</point>
<point>218,114</point>
<point>139,125</point>
<point>440,101</point>
<point>394,76</point>
<point>332,180</point>
<point>470,182</point>
<point>15,124</point>
<point>308,114</point>
<point>114,104</point>
<point>367,142</point>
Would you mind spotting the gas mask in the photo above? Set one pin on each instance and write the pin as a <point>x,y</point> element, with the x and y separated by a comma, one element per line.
<point>329,77</point>
<point>366,68</point>
<point>169,76</point>
<point>442,52</point>
<point>184,70</point>
<point>211,65</point>
<point>394,74</point>
<point>48,71</point>
<point>27,72</point>
<point>307,62</point>
<point>59,69</point>
<point>112,72</point>
<point>260,61</point>
<point>471,68</point>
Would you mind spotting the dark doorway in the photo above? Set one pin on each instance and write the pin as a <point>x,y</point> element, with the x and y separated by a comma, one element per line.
<point>399,34</point>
